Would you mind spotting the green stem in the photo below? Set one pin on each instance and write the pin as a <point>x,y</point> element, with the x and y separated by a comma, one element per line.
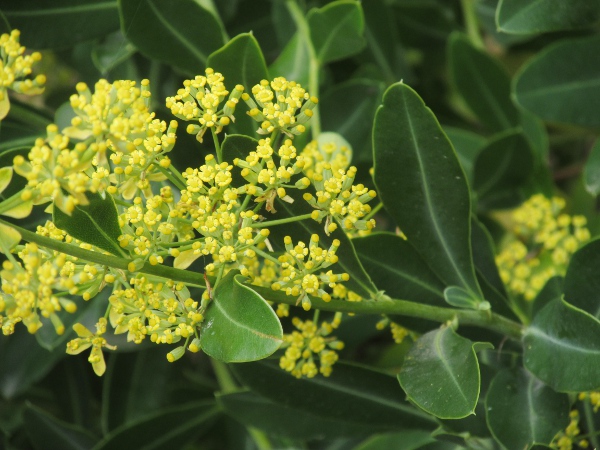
<point>177,173</point>
<point>217,146</point>
<point>589,420</point>
<point>172,178</point>
<point>472,23</point>
<point>11,202</point>
<point>482,319</point>
<point>265,255</point>
<point>374,211</point>
<point>271,223</point>
<point>313,64</point>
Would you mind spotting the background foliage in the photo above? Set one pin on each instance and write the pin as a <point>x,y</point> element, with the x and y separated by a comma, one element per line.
<point>511,90</point>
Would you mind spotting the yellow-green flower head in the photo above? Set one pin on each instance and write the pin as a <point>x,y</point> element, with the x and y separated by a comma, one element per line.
<point>280,105</point>
<point>302,270</point>
<point>317,156</point>
<point>200,101</point>
<point>95,340</point>
<point>15,66</point>
<point>311,350</point>
<point>542,241</point>
<point>55,172</point>
<point>114,115</point>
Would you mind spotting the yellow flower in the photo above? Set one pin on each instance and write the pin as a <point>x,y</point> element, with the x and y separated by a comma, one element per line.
<point>88,339</point>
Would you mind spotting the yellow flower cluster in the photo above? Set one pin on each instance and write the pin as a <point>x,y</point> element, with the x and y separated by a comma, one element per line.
<point>307,344</point>
<point>564,440</point>
<point>14,67</point>
<point>259,168</point>
<point>543,240</point>
<point>399,333</point>
<point>301,270</point>
<point>280,105</point>
<point>199,101</point>
<point>95,340</point>
<point>316,155</point>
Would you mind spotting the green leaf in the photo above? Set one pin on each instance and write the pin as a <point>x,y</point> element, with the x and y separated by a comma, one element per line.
<point>237,146</point>
<point>521,410</point>
<point>61,23</point>
<point>181,33</point>
<point>114,50</point>
<point>482,83</point>
<point>591,171</point>
<point>560,83</point>
<point>96,223</point>
<point>562,348</point>
<point>502,169</point>
<point>336,30</point>
<point>241,62</point>
<point>424,24</point>
<point>293,62</point>
<point>397,268</point>
<point>542,16</point>
<point>46,431</point>
<point>350,393</point>
<point>170,428</point>
<point>282,420</point>
<point>461,298</point>
<point>414,160</point>
<point>552,291</point>
<point>467,145</point>
<point>358,100</point>
<point>486,12</point>
<point>441,374</point>
<point>582,286</point>
<point>403,440</point>
<point>239,325</point>
<point>485,263</point>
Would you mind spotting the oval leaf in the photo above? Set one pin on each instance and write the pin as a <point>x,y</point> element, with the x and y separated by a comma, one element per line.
<point>413,156</point>
<point>178,32</point>
<point>457,296</point>
<point>560,83</point>
<point>521,410</point>
<point>96,223</point>
<point>350,393</point>
<point>239,325</point>
<point>562,348</point>
<point>72,21</point>
<point>441,374</point>
<point>482,83</point>
<point>542,16</point>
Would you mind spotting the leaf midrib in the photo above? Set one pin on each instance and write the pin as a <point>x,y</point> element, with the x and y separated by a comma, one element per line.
<point>561,343</point>
<point>443,359</point>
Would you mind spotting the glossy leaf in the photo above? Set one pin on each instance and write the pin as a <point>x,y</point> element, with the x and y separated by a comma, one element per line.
<point>560,83</point>
<point>559,352</point>
<point>46,431</point>
<point>482,83</point>
<point>241,62</point>
<point>521,410</point>
<point>239,324</point>
<point>542,16</point>
<point>591,171</point>
<point>286,421</point>
<point>350,393</point>
<point>441,374</point>
<point>336,30</point>
<point>501,169</point>
<point>72,21</point>
<point>413,155</point>
<point>171,32</point>
<point>397,268</point>
<point>582,287</point>
<point>96,223</point>
<point>167,428</point>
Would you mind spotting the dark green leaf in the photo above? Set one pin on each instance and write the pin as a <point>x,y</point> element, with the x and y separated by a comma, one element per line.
<point>61,23</point>
<point>552,290</point>
<point>467,145</point>
<point>484,257</point>
<point>403,440</point>
<point>501,169</point>
<point>336,30</point>
<point>424,24</point>
<point>486,12</point>
<point>396,268</point>
<point>582,286</point>
<point>351,393</point>
<point>286,421</point>
<point>293,62</point>
<point>46,431</point>
<point>562,348</point>
<point>591,171</point>
<point>170,428</point>
<point>113,51</point>
<point>348,109</point>
<point>414,158</point>
<point>542,16</point>
<point>441,374</point>
<point>521,410</point>
<point>241,62</point>
<point>239,325</point>
<point>181,33</point>
<point>237,146</point>
<point>482,83</point>
<point>560,83</point>
<point>96,223</point>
